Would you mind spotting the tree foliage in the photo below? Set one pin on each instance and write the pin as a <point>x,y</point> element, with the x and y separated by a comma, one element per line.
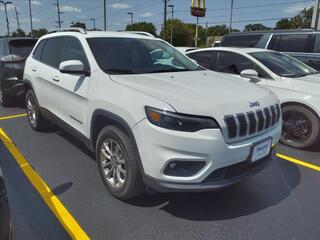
<point>302,20</point>
<point>142,26</point>
<point>37,33</point>
<point>256,27</point>
<point>18,33</point>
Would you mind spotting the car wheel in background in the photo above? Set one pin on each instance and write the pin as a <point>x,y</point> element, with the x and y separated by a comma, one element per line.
<point>301,127</point>
<point>118,163</point>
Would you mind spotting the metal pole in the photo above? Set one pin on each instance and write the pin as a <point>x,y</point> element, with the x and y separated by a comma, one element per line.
<point>58,9</point>
<point>316,16</point>
<point>15,8</point>
<point>105,14</point>
<point>131,14</point>
<point>231,13</point>
<point>7,20</point>
<point>196,38</point>
<point>164,18</point>
<point>207,41</point>
<point>94,23</point>
<point>171,34</point>
<point>30,13</point>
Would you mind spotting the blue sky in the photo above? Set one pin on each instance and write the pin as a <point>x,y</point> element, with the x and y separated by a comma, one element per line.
<point>245,11</point>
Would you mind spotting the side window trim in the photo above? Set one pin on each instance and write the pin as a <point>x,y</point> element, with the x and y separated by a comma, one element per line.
<point>44,41</point>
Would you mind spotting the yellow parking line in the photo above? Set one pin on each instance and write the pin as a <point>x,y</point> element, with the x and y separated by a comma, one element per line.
<point>63,215</point>
<point>299,162</point>
<point>13,116</point>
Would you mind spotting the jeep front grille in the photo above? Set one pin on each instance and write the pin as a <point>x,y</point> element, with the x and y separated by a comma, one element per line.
<point>246,124</point>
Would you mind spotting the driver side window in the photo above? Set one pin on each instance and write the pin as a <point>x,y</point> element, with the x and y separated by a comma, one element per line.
<point>72,50</point>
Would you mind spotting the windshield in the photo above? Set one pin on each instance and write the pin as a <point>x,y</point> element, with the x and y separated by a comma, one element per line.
<point>283,65</point>
<point>137,56</point>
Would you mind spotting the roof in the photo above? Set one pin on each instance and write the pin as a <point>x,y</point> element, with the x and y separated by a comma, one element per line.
<point>232,49</point>
<point>97,34</point>
<point>308,30</point>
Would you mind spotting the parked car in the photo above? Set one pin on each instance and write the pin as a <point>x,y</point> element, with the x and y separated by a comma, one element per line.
<point>216,44</point>
<point>13,53</point>
<point>296,84</point>
<point>5,221</point>
<point>186,49</point>
<point>303,44</point>
<point>172,126</point>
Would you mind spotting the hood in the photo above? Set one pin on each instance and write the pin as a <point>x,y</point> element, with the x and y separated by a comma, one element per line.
<point>307,84</point>
<point>203,93</point>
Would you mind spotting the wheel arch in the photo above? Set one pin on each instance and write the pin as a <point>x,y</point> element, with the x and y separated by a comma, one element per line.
<point>102,118</point>
<point>302,104</point>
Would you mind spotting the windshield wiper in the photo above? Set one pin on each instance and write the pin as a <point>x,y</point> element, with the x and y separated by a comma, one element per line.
<point>119,71</point>
<point>170,70</point>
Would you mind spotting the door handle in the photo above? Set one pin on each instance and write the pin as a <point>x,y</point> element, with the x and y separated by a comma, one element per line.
<point>34,69</point>
<point>56,79</point>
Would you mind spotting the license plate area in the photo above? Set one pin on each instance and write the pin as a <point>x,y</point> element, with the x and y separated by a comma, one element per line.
<point>260,150</point>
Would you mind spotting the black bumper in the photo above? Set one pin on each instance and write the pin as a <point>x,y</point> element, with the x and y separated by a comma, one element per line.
<point>14,88</point>
<point>218,179</point>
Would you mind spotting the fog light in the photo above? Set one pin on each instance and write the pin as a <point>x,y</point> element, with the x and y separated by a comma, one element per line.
<point>183,168</point>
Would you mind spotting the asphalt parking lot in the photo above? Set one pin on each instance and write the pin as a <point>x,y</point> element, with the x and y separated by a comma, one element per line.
<point>279,203</point>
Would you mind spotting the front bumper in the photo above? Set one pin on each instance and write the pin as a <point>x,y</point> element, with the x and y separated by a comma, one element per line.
<point>158,147</point>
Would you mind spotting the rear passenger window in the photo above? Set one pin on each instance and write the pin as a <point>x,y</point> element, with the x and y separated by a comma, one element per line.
<point>206,59</point>
<point>72,50</point>
<point>317,44</point>
<point>289,43</point>
<point>241,40</point>
<point>38,51</point>
<point>51,51</point>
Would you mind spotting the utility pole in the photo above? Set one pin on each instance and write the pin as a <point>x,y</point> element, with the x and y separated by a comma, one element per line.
<point>165,18</point>
<point>5,9</point>
<point>131,14</point>
<point>231,13</point>
<point>171,34</point>
<point>94,23</point>
<point>105,14</point>
<point>18,23</point>
<point>30,15</point>
<point>196,37</point>
<point>58,10</point>
<point>316,15</point>
<point>207,41</point>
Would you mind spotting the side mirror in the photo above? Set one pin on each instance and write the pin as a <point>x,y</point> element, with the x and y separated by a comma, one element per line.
<point>73,67</point>
<point>251,74</point>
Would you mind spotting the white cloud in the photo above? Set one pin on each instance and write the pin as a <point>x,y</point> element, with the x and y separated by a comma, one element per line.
<point>70,9</point>
<point>147,14</point>
<point>35,2</point>
<point>9,7</point>
<point>34,20</point>
<point>120,5</point>
<point>297,7</point>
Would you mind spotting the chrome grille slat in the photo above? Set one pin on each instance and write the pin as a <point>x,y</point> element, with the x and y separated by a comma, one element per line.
<point>249,123</point>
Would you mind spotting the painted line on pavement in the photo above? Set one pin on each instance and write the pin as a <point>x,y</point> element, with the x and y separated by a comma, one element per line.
<point>299,162</point>
<point>13,116</point>
<point>63,215</point>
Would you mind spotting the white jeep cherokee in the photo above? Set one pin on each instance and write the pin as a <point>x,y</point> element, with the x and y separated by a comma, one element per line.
<point>153,117</point>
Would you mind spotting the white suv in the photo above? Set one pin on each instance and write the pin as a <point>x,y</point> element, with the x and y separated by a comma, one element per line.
<point>153,117</point>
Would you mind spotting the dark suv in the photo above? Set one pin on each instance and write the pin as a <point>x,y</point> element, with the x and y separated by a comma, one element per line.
<point>303,44</point>
<point>13,53</point>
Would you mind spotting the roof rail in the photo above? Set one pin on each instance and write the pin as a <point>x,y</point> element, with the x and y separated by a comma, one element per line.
<point>141,33</point>
<point>70,29</point>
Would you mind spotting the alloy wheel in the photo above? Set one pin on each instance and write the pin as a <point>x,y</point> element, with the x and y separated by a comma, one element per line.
<point>113,163</point>
<point>31,111</point>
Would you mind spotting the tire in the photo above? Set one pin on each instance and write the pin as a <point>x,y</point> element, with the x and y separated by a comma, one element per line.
<point>301,127</point>
<point>5,100</point>
<point>36,121</point>
<point>122,185</point>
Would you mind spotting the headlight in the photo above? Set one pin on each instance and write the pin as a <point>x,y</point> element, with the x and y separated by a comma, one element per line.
<point>178,121</point>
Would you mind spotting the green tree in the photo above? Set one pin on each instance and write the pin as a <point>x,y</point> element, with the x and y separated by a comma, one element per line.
<point>37,33</point>
<point>183,34</point>
<point>142,26</point>
<point>18,33</point>
<point>255,27</point>
<point>302,20</point>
